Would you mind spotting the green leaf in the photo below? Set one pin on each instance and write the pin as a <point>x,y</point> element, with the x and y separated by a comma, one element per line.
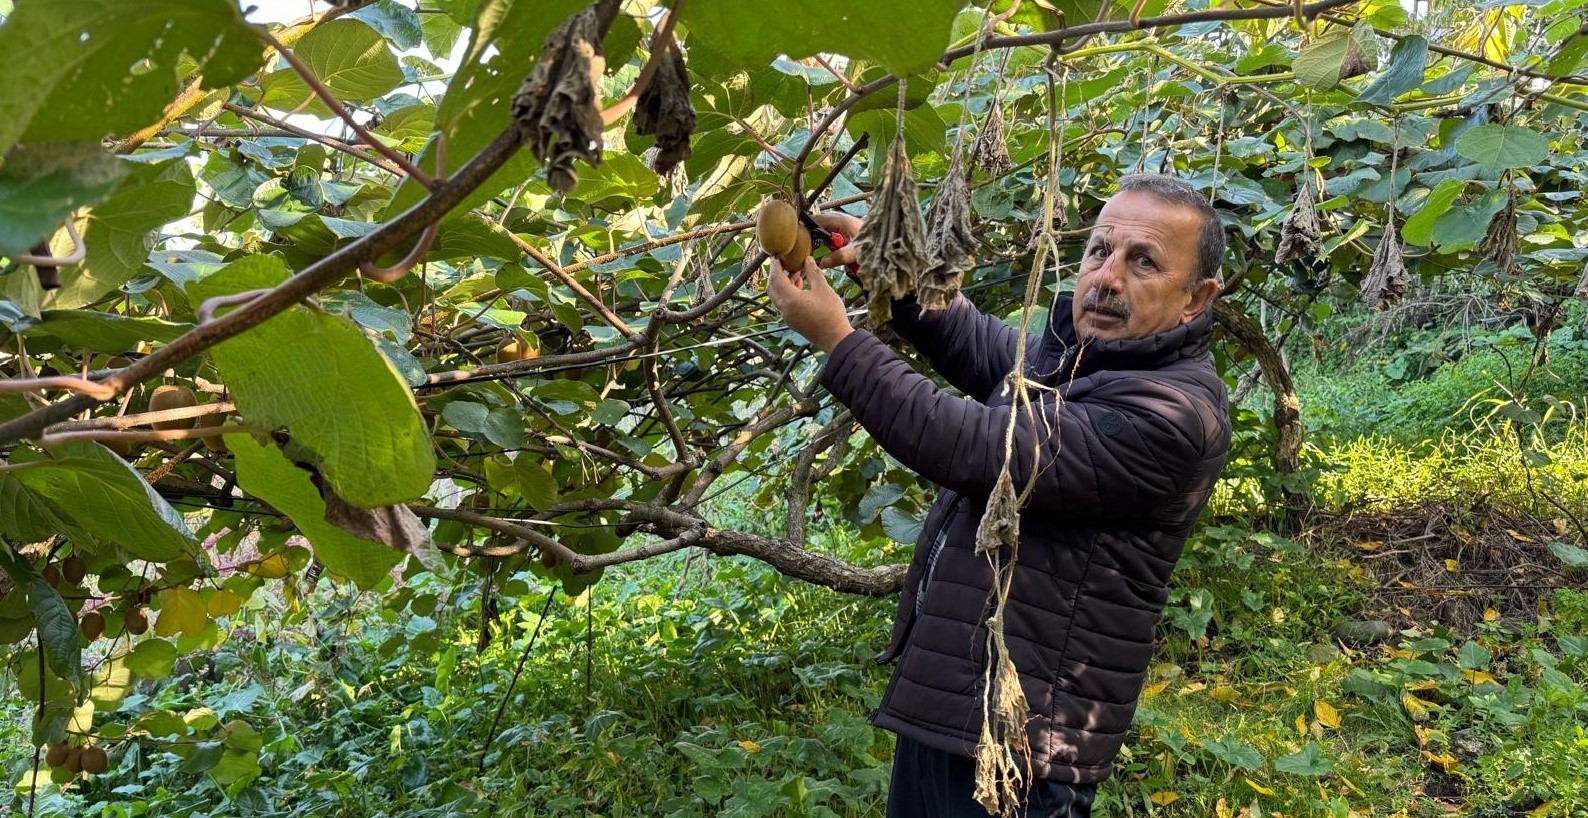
<point>42,184</point>
<point>1464,226</point>
<point>905,36</point>
<point>1407,63</point>
<point>107,332</point>
<point>117,235</point>
<point>394,21</point>
<point>266,473</point>
<point>87,68</point>
<point>182,611</point>
<point>152,659</point>
<point>1234,752</point>
<point>535,482</point>
<point>90,485</point>
<point>24,515</point>
<point>318,376</point>
<point>1573,556</point>
<point>1420,227</point>
<point>1318,64</point>
<point>1474,656</point>
<point>57,631</point>
<point>1498,147</point>
<point>347,56</point>
<point>1309,761</point>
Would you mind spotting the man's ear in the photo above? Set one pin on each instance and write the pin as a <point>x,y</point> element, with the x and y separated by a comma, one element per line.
<point>1201,296</point>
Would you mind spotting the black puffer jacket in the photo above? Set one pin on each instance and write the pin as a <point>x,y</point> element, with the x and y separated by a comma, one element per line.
<point>1132,437</point>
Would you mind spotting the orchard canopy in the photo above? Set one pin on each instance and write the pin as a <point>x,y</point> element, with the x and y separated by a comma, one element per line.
<point>471,285</point>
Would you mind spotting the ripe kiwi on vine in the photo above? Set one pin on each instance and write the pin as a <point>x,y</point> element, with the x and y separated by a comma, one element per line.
<point>173,396</point>
<point>73,569</point>
<point>94,760</point>
<point>55,756</point>
<point>93,625</point>
<point>778,229</point>
<point>136,621</point>
<point>517,348</point>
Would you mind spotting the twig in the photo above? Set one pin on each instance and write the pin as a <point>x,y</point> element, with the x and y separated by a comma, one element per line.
<point>490,735</point>
<point>341,112</point>
<point>18,386</point>
<point>289,129</point>
<point>76,256</point>
<point>661,42</point>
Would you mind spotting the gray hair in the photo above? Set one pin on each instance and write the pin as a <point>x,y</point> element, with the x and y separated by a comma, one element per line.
<point>1169,190</point>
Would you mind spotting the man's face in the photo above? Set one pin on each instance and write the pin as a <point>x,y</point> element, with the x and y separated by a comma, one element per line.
<point>1134,272</point>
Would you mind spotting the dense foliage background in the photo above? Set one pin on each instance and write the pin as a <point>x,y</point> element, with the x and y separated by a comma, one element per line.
<point>491,481</point>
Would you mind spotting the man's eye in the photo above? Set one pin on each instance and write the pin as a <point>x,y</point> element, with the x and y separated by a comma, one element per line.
<point>1097,250</point>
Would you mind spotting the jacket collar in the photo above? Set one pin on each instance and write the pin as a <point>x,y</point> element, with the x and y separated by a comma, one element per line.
<point>1188,340</point>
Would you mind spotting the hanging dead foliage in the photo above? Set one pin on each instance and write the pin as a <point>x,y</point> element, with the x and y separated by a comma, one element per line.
<point>1582,284</point>
<point>990,152</point>
<point>1500,240</point>
<point>558,107</point>
<point>1387,279</point>
<point>1003,744</point>
<point>1356,62</point>
<point>1300,237</point>
<point>949,240</point>
<point>1000,523</point>
<point>892,248</point>
<point>664,111</point>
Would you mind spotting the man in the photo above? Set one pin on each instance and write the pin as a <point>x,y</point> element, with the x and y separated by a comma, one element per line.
<point>1130,440</point>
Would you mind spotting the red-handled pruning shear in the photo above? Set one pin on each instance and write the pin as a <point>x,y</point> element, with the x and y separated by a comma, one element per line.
<point>822,237</point>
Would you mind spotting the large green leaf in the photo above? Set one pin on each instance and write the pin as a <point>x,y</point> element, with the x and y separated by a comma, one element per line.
<point>906,36</point>
<point>87,483</point>
<point>1419,228</point>
<point>117,235</point>
<point>318,376</point>
<point>85,68</point>
<point>266,473</point>
<point>24,515</point>
<point>107,332</point>
<point>41,184</point>
<point>57,631</point>
<point>1498,147</point>
<point>347,56</point>
<point>1407,64</point>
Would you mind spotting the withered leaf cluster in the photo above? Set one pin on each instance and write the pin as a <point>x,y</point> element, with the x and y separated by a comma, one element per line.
<point>664,111</point>
<point>1300,237</point>
<point>1387,279</point>
<point>990,152</point>
<point>892,248</point>
<point>1582,284</point>
<point>949,240</point>
<point>1500,240</point>
<point>559,106</point>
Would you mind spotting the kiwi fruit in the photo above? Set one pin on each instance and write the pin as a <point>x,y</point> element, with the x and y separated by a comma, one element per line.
<point>215,443</point>
<point>173,396</point>
<point>52,575</point>
<point>56,755</point>
<point>136,621</point>
<point>73,569</point>
<point>777,227</point>
<point>515,348</point>
<point>794,259</point>
<point>74,759</point>
<point>93,625</point>
<point>95,760</point>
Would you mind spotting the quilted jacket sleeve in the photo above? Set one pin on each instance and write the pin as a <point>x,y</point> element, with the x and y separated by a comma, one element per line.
<point>1121,454</point>
<point>972,350</point>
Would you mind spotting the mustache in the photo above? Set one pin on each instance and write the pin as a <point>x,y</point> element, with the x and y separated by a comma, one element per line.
<point>1106,302</point>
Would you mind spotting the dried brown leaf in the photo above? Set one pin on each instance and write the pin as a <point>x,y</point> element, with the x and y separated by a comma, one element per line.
<point>664,111</point>
<point>990,153</point>
<point>1387,279</point>
<point>949,240</point>
<point>892,246</point>
<point>559,106</point>
<point>1499,242</point>
<point>1300,237</point>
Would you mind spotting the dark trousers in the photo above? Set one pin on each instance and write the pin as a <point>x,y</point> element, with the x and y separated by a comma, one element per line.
<point>930,783</point>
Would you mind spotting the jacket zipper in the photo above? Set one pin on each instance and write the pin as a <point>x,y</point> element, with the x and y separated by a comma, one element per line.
<point>931,559</point>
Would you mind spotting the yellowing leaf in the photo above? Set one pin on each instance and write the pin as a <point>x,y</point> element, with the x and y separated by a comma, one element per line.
<point>1369,545</point>
<point>1301,725</point>
<point>1478,677</point>
<point>1155,689</point>
<point>1519,536</point>
<point>1261,790</point>
<point>1222,809</point>
<point>1193,687</point>
<point>224,602</point>
<point>1452,566</point>
<point>1326,714</point>
<point>1445,761</point>
<point>1164,797</point>
<point>1559,524</point>
<point>1415,707</point>
<point>750,746</point>
<point>182,611</point>
<point>1224,693</point>
<point>1542,810</point>
<point>1490,614</point>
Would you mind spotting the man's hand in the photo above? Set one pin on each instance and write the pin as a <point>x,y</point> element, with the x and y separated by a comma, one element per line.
<point>808,303</point>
